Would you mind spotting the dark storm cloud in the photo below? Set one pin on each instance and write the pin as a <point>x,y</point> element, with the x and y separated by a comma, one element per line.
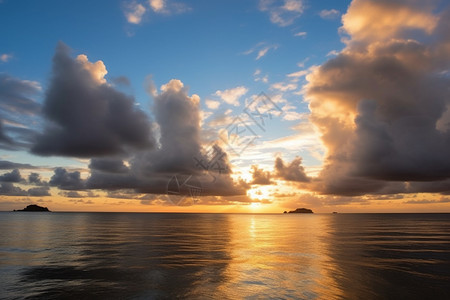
<point>87,117</point>
<point>8,189</point>
<point>39,191</point>
<point>179,120</point>
<point>4,138</point>
<point>112,181</point>
<point>261,177</point>
<point>382,105</point>
<point>71,194</point>
<point>438,186</point>
<point>109,165</point>
<point>18,110</point>
<point>35,178</point>
<point>8,165</point>
<point>65,180</point>
<point>293,171</point>
<point>16,96</point>
<point>180,154</point>
<point>13,176</point>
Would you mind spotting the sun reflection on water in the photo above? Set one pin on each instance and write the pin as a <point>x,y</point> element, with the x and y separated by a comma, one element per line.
<point>282,254</point>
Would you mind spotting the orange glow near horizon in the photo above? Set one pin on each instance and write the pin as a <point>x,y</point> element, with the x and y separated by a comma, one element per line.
<point>412,203</point>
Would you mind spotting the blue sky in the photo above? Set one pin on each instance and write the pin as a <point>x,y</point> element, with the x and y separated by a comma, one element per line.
<point>329,66</point>
<point>202,46</point>
<point>206,45</point>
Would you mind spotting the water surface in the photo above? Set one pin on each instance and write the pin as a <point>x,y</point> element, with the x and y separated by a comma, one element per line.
<point>224,256</point>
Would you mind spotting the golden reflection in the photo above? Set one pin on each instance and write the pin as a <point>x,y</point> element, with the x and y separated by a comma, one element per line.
<point>273,251</point>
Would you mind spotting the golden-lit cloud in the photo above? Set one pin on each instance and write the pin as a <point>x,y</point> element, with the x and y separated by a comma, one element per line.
<point>97,69</point>
<point>380,103</point>
<point>212,104</point>
<point>157,5</point>
<point>231,96</point>
<point>134,12</point>
<point>380,20</point>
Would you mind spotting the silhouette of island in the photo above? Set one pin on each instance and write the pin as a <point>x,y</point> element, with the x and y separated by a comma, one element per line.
<point>300,211</point>
<point>34,207</point>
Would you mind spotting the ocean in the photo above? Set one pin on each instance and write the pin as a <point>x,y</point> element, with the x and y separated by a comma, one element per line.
<point>224,256</point>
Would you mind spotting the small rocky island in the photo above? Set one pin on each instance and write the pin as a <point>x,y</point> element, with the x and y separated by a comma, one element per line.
<point>34,207</point>
<point>300,211</point>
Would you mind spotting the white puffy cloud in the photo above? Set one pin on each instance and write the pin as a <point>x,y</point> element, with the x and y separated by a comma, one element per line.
<point>157,5</point>
<point>212,104</point>
<point>283,86</point>
<point>231,96</point>
<point>329,14</point>
<point>134,12</point>
<point>5,57</point>
<point>282,13</point>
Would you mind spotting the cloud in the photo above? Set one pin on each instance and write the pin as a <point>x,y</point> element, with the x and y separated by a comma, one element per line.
<point>379,103</point>
<point>301,33</point>
<point>13,176</point>
<point>7,165</point>
<point>297,74</point>
<point>16,99</point>
<point>260,177</point>
<point>97,70</point>
<point>35,178</point>
<point>65,180</point>
<point>85,115</point>
<point>157,5</point>
<point>109,165</point>
<point>429,201</point>
<point>293,171</point>
<point>261,49</point>
<point>133,12</point>
<point>231,96</point>
<point>333,53</point>
<point>258,76</point>
<point>284,14</point>
<point>262,52</point>
<point>329,14</point>
<point>180,156</point>
<point>211,104</point>
<point>168,7</point>
<point>370,20</point>
<point>121,80</point>
<point>5,57</point>
<point>284,87</point>
<point>39,191</point>
<point>8,189</point>
<point>113,181</point>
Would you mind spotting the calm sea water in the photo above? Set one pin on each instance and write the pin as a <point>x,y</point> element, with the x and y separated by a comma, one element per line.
<point>224,256</point>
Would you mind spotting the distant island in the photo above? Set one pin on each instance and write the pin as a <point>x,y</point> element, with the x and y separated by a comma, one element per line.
<point>34,207</point>
<point>300,211</point>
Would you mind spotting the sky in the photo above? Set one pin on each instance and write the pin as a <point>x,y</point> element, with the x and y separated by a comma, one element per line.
<point>255,106</point>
